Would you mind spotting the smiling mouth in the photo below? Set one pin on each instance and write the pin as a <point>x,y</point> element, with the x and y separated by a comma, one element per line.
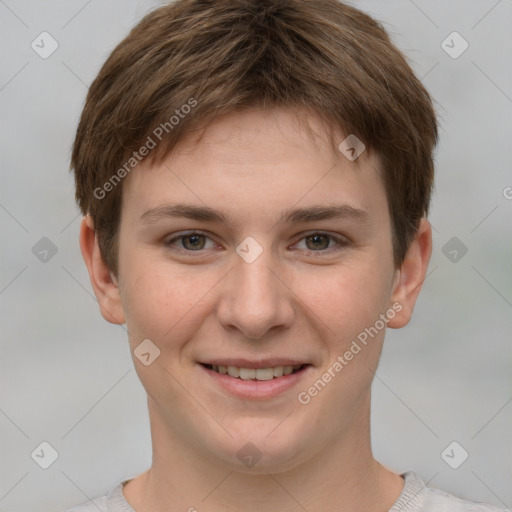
<point>270,373</point>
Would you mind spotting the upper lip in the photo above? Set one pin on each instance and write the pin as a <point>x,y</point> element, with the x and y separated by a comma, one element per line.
<point>262,363</point>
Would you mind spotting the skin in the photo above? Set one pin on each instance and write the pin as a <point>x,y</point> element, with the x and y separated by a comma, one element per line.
<point>299,298</point>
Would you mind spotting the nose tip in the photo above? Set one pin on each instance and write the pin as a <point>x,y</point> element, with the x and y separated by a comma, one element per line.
<point>254,300</point>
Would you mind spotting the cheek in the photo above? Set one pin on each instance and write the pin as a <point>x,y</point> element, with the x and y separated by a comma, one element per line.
<point>346,309</point>
<point>161,300</point>
<point>346,299</point>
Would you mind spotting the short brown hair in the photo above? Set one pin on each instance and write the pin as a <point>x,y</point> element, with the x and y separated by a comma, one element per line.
<point>223,56</point>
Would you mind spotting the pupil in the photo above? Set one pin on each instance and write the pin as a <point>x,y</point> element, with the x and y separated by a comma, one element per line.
<point>317,241</point>
<point>193,240</point>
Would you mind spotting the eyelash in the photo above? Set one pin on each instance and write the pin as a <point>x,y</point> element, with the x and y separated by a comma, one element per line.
<point>341,242</point>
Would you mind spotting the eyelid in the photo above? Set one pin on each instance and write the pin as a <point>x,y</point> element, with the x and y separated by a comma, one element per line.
<point>168,242</point>
<point>341,241</point>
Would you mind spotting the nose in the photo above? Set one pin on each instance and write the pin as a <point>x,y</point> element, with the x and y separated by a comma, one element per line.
<point>256,298</point>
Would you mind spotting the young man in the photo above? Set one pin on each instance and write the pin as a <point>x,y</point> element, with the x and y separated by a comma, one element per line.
<point>255,178</point>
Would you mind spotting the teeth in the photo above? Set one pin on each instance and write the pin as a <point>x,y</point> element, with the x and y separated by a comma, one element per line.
<point>234,371</point>
<point>278,371</point>
<point>247,373</point>
<point>255,373</point>
<point>264,374</point>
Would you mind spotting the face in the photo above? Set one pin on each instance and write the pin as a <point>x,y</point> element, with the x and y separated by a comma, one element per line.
<point>258,249</point>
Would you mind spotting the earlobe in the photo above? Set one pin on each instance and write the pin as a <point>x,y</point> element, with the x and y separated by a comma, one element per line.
<point>410,276</point>
<point>104,284</point>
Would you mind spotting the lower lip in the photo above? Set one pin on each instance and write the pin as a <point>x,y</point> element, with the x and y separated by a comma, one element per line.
<point>257,389</point>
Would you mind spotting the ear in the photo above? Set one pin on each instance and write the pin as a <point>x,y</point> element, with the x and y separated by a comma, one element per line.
<point>104,284</point>
<point>411,274</point>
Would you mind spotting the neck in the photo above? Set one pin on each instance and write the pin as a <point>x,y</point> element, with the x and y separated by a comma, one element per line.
<point>343,477</point>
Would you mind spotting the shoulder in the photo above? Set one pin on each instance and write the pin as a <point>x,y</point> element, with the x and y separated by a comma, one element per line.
<point>113,501</point>
<point>441,501</point>
<point>417,497</point>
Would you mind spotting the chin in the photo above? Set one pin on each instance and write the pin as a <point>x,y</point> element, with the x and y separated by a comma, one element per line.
<point>265,451</point>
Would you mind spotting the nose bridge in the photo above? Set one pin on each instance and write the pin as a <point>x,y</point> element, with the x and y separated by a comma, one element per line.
<point>255,300</point>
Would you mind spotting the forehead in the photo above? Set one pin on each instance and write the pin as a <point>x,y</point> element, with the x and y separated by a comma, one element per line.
<point>263,134</point>
<point>258,161</point>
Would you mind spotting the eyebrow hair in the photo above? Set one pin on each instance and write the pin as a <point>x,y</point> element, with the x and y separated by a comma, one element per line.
<point>207,214</point>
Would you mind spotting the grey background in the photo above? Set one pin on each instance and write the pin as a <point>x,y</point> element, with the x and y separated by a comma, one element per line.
<point>66,375</point>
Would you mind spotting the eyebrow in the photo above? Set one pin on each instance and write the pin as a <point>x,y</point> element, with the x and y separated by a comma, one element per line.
<point>295,215</point>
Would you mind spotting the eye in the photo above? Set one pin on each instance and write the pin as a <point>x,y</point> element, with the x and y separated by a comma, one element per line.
<point>196,242</point>
<point>323,242</point>
<point>189,242</point>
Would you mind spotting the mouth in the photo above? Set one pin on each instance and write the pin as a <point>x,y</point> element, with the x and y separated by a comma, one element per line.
<point>255,381</point>
<point>255,374</point>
